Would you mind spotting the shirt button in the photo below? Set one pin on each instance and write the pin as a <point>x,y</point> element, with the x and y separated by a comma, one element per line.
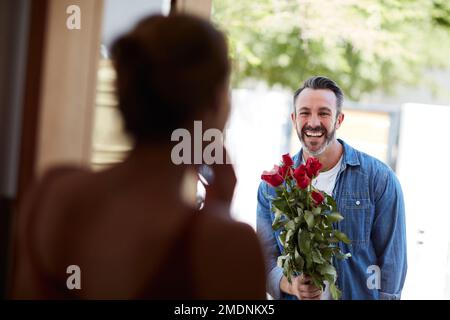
<point>358,202</point>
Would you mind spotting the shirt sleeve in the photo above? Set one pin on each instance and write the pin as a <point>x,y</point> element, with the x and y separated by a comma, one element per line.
<point>269,243</point>
<point>389,236</point>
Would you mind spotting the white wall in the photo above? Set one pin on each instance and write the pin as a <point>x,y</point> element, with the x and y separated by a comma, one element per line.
<point>257,136</point>
<point>121,15</point>
<point>423,170</point>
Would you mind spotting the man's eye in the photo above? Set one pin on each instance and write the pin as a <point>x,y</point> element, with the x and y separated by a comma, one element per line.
<point>304,113</point>
<point>324,114</point>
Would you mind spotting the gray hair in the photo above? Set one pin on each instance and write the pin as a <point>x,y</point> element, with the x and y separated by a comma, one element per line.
<point>319,82</point>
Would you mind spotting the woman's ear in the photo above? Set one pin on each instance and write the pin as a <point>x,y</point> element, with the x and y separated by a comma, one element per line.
<point>218,114</point>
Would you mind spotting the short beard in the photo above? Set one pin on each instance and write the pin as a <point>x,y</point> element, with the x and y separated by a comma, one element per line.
<point>330,138</point>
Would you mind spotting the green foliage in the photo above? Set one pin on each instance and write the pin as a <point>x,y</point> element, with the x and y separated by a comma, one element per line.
<point>362,44</point>
<point>307,235</point>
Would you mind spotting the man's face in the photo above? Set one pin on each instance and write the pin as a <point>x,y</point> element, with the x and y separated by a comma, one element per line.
<point>315,119</point>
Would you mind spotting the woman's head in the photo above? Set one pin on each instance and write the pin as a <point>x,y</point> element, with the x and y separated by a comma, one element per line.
<point>170,71</point>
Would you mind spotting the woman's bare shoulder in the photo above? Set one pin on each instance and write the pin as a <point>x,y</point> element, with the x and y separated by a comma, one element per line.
<point>45,203</point>
<point>229,260</point>
<point>47,187</point>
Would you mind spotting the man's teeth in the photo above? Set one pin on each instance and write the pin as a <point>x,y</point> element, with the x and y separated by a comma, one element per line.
<point>313,134</point>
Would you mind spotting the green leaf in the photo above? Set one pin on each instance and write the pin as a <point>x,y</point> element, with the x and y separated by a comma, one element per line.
<point>317,210</point>
<point>330,201</point>
<point>326,226</point>
<point>278,223</point>
<point>334,217</point>
<point>280,261</point>
<point>318,222</point>
<point>317,282</point>
<point>286,262</point>
<point>278,216</point>
<point>317,257</point>
<point>304,241</point>
<point>299,260</point>
<point>341,236</point>
<point>330,278</point>
<point>326,268</point>
<point>308,261</point>
<point>290,233</point>
<point>318,237</point>
<point>309,217</point>
<point>290,225</point>
<point>335,292</point>
<point>327,254</point>
<point>282,237</point>
<point>342,256</point>
<point>299,211</point>
<point>280,204</point>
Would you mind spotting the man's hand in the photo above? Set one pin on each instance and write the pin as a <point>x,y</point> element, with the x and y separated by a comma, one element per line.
<point>302,287</point>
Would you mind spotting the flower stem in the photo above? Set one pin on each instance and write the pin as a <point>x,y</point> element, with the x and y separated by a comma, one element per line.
<point>287,201</point>
<point>308,204</point>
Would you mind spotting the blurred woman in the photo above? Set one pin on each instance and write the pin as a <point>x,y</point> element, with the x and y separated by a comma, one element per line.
<point>128,228</point>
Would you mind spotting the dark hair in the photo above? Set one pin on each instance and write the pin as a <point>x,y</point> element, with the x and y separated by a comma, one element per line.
<point>319,82</point>
<point>169,70</point>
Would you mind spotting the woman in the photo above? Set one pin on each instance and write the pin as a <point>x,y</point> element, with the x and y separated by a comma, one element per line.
<point>127,228</point>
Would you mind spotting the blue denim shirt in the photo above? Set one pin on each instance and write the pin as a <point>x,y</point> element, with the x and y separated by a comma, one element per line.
<point>369,197</point>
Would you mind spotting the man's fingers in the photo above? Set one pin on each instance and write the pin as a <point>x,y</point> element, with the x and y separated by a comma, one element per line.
<point>315,298</point>
<point>309,291</point>
<point>311,297</point>
<point>305,279</point>
<point>308,288</point>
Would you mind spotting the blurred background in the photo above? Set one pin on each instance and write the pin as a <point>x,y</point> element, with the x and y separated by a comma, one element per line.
<point>391,58</point>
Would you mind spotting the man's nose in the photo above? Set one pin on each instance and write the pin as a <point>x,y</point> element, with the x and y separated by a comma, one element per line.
<point>314,121</point>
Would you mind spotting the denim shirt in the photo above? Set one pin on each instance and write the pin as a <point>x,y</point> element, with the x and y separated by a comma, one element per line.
<point>369,197</point>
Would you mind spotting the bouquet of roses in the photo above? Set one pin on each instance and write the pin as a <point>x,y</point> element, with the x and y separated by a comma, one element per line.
<point>305,217</point>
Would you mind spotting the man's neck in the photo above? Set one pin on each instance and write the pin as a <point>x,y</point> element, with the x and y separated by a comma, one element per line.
<point>330,157</point>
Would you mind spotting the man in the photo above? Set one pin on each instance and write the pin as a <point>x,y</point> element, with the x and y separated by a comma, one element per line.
<point>367,193</point>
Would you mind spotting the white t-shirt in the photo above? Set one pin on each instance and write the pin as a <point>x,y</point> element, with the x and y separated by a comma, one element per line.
<point>325,182</point>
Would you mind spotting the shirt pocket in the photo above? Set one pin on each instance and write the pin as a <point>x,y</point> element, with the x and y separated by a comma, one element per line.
<point>356,211</point>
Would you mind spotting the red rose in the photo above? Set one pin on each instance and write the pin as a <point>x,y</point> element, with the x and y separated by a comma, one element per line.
<point>312,167</point>
<point>317,197</point>
<point>272,177</point>
<point>287,160</point>
<point>301,176</point>
<point>285,171</point>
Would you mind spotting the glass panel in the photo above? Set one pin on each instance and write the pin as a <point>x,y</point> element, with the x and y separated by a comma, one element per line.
<point>110,144</point>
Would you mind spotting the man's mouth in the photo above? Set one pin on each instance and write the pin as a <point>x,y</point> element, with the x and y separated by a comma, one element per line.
<point>313,134</point>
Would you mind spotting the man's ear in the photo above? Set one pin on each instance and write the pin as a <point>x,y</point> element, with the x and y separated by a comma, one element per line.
<point>293,117</point>
<point>339,120</point>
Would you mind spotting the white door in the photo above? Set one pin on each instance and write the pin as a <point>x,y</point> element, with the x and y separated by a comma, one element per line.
<point>423,170</point>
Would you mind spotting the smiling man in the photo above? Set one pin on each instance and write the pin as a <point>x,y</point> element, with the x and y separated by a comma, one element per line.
<point>368,195</point>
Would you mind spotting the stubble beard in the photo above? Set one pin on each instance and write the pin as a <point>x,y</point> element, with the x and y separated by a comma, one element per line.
<point>330,137</point>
